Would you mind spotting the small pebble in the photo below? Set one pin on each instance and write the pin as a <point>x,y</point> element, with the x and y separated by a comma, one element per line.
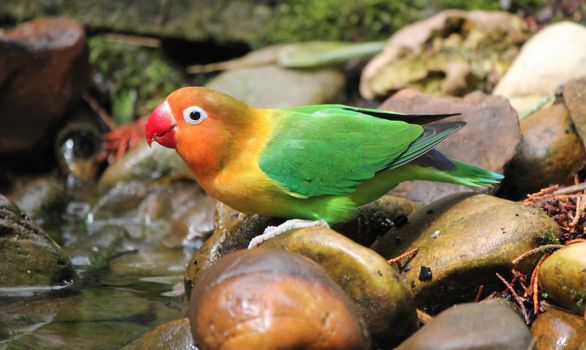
<point>425,273</point>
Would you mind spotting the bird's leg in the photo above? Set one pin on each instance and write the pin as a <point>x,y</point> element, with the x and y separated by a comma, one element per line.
<point>273,231</point>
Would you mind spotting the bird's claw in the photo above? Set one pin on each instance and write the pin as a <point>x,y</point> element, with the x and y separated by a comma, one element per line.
<point>273,231</point>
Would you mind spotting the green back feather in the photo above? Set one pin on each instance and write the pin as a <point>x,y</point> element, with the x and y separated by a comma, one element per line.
<point>328,150</point>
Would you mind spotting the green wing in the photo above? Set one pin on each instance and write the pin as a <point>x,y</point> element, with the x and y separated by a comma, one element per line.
<point>328,150</point>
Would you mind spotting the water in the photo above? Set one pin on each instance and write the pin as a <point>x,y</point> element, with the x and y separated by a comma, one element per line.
<point>129,283</point>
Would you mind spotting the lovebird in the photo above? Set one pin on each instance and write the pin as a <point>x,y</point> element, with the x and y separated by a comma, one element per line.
<point>316,164</point>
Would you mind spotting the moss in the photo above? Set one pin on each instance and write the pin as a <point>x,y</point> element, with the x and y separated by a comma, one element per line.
<point>135,78</point>
<point>301,20</point>
<point>360,20</point>
<point>493,5</point>
<point>547,237</point>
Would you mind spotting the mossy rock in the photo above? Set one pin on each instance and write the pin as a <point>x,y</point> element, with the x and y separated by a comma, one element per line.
<point>563,277</point>
<point>463,240</point>
<point>30,258</point>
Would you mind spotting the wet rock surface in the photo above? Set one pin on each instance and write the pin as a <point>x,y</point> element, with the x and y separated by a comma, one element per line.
<point>562,276</point>
<point>375,219</point>
<point>193,227</point>
<point>49,50</point>
<point>94,335</point>
<point>490,325</point>
<point>549,153</point>
<point>371,283</point>
<point>150,263</point>
<point>248,298</point>
<point>463,240</point>
<point>42,199</point>
<point>171,335</point>
<point>144,163</point>
<point>234,230</point>
<point>30,258</point>
<point>559,330</point>
<point>552,57</point>
<point>488,118</point>
<point>100,248</point>
<point>462,43</point>
<point>103,318</point>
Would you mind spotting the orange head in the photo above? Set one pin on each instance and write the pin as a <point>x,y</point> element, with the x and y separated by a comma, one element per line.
<point>199,123</point>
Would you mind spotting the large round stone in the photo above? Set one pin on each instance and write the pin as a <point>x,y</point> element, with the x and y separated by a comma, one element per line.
<point>463,240</point>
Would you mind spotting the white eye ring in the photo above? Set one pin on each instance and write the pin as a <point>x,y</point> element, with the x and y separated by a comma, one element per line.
<point>194,115</point>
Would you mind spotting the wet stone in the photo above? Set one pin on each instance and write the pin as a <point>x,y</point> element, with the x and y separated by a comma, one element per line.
<point>550,153</point>
<point>376,218</point>
<point>574,100</point>
<point>563,277</point>
<point>490,325</point>
<point>559,330</point>
<point>380,295</point>
<point>248,298</point>
<point>479,236</point>
<point>96,250</point>
<point>51,50</point>
<point>30,258</point>
<point>144,163</point>
<point>171,335</point>
<point>82,335</point>
<point>42,200</point>
<point>150,263</point>
<point>193,226</point>
<point>234,230</point>
<point>104,304</point>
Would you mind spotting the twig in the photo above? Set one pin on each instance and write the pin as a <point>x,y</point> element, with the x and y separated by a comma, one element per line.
<point>535,250</point>
<point>517,298</point>
<point>534,108</point>
<point>407,254</point>
<point>577,240</point>
<point>533,197</point>
<point>571,189</point>
<point>136,40</point>
<point>479,293</point>
<point>104,116</point>
<point>580,202</point>
<point>423,316</point>
<point>535,284</point>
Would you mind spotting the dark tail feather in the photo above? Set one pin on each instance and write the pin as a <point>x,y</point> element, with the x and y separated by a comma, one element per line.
<point>409,118</point>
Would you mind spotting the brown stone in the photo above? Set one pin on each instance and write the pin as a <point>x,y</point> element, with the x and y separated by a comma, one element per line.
<point>491,325</point>
<point>380,295</point>
<point>559,330</point>
<point>563,277</point>
<point>45,69</point>
<point>489,139</point>
<point>575,102</point>
<point>174,335</point>
<point>266,298</point>
<point>464,240</point>
<point>550,153</point>
<point>29,257</point>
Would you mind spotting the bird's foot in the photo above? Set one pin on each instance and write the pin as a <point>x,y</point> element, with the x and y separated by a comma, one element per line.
<point>121,139</point>
<point>273,231</point>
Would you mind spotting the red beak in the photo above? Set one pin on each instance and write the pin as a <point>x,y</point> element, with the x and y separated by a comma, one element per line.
<point>160,126</point>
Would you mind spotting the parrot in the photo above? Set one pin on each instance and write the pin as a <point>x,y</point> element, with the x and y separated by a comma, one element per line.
<point>313,164</point>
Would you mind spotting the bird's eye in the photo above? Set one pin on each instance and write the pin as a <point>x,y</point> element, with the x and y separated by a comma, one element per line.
<point>194,115</point>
